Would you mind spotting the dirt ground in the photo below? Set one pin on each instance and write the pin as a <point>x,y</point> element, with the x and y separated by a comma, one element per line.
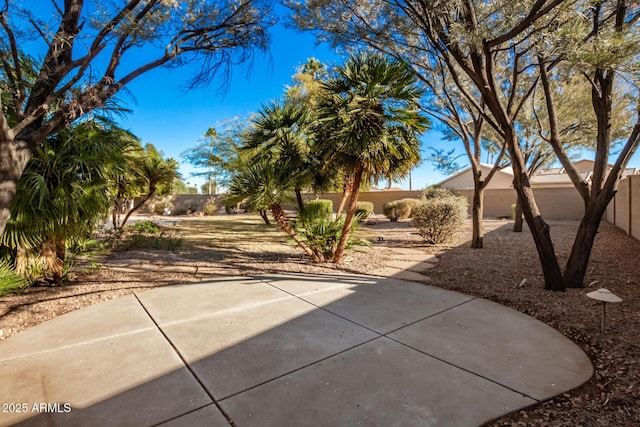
<point>241,245</point>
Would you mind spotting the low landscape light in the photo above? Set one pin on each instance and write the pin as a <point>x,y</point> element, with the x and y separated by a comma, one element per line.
<point>604,295</point>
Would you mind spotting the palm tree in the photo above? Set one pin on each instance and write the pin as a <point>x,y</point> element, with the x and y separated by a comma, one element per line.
<point>62,192</point>
<point>264,185</point>
<point>147,174</point>
<point>368,123</point>
<point>280,135</point>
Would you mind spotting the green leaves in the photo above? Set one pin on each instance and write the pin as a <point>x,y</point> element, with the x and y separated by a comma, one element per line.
<point>368,114</point>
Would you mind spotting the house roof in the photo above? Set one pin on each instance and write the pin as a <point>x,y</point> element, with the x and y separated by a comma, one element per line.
<point>507,170</point>
<point>556,178</point>
<point>548,177</point>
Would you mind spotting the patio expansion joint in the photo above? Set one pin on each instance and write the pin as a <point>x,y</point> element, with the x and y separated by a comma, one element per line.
<point>186,364</point>
<point>386,335</point>
<point>535,400</point>
<point>446,361</point>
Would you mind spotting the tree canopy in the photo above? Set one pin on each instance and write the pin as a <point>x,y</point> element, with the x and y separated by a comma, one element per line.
<point>91,51</point>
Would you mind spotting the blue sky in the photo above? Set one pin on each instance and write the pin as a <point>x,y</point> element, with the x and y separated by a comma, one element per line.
<point>174,120</point>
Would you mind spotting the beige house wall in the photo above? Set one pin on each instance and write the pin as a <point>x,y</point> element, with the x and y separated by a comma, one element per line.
<point>554,203</point>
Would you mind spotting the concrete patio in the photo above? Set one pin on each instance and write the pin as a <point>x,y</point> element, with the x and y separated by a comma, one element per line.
<point>285,350</point>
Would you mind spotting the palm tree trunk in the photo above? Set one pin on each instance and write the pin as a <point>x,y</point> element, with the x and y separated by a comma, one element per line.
<point>347,189</point>
<point>351,210</point>
<point>285,225</point>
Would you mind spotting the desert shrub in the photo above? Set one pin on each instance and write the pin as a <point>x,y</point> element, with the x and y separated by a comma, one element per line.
<point>233,204</point>
<point>146,235</point>
<point>316,228</point>
<point>437,219</point>
<point>363,209</point>
<point>322,206</point>
<point>412,205</point>
<point>210,208</point>
<point>400,209</point>
<point>158,208</point>
<point>435,192</point>
<point>149,227</point>
<point>389,209</point>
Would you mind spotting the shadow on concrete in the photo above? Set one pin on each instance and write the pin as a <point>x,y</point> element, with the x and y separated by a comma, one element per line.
<point>288,350</point>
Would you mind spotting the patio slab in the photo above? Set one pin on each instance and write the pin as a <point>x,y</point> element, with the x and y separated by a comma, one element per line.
<point>131,379</point>
<point>417,266</point>
<point>293,350</point>
<point>498,351</point>
<point>227,351</point>
<point>414,390</point>
<point>400,274</point>
<point>381,305</point>
<point>183,302</point>
<point>81,327</point>
<point>209,416</point>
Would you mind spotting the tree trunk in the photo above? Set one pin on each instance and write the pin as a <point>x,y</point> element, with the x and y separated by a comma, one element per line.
<point>578,261</point>
<point>135,208</point>
<point>347,189</point>
<point>285,225</point>
<point>264,216</point>
<point>299,199</point>
<point>477,213</point>
<point>351,210</point>
<point>553,279</point>
<point>12,164</point>
<point>519,218</point>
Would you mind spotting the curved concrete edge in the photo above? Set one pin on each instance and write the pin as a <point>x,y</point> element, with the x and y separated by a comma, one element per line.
<point>287,349</point>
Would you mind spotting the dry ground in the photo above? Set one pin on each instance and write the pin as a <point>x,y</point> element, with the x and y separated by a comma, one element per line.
<point>242,245</point>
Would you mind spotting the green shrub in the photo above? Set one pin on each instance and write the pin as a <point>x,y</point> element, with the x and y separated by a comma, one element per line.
<point>412,205</point>
<point>316,228</point>
<point>437,219</point>
<point>389,209</point>
<point>147,235</point>
<point>363,209</point>
<point>148,227</point>
<point>400,209</point>
<point>322,206</point>
<point>210,208</point>
<point>158,208</point>
<point>436,192</point>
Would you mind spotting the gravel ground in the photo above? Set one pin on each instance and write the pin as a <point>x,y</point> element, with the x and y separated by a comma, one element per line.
<point>496,272</point>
